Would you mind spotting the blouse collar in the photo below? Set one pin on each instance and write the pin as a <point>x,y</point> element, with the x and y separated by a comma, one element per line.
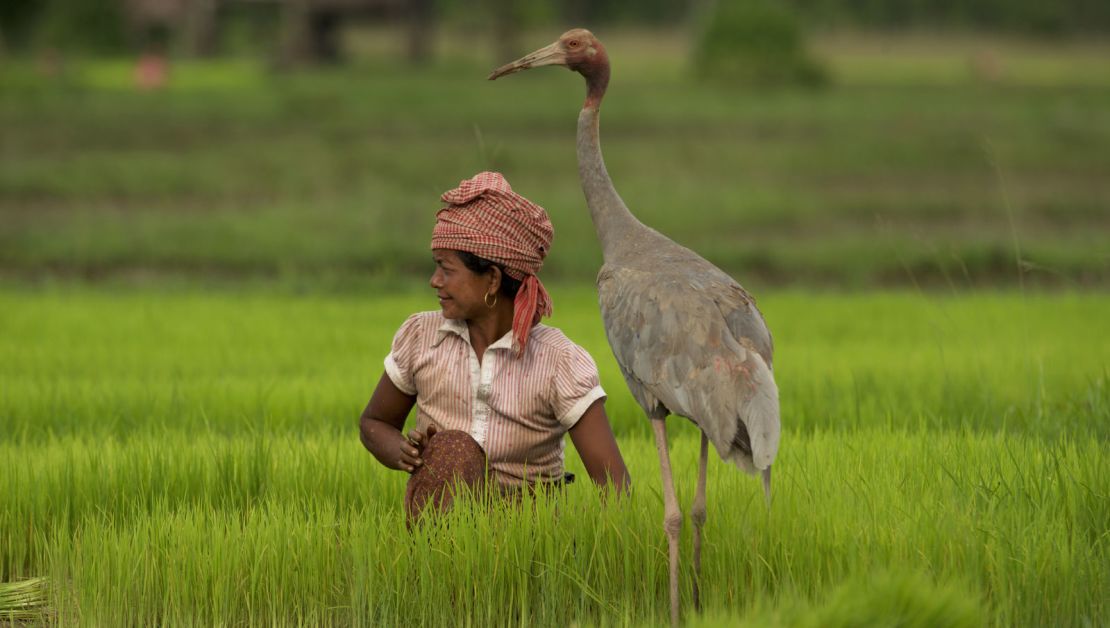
<point>459,328</point>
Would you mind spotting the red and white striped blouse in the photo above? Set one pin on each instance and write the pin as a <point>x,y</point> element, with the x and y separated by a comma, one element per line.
<point>517,408</point>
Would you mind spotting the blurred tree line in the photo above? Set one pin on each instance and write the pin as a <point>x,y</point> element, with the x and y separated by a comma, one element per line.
<point>1052,18</point>
<point>108,26</point>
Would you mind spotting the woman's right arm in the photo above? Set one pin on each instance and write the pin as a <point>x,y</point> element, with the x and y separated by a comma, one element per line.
<point>380,427</point>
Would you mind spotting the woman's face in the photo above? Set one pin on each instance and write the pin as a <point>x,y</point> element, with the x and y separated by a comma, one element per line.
<point>461,291</point>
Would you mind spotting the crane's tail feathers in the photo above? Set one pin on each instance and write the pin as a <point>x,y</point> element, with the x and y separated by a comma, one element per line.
<point>767,486</point>
<point>758,427</point>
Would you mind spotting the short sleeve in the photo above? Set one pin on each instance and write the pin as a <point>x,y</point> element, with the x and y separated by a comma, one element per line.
<point>577,385</point>
<point>402,355</point>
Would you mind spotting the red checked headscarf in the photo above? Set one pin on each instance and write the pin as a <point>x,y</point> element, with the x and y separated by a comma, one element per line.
<point>486,218</point>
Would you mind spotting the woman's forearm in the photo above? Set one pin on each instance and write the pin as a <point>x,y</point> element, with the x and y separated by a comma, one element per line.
<point>380,426</point>
<point>593,438</point>
<point>383,441</point>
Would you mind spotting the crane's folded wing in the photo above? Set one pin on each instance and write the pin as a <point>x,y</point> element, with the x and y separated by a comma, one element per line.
<point>674,339</point>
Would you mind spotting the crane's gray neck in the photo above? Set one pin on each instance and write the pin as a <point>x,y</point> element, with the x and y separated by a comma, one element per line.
<point>616,226</point>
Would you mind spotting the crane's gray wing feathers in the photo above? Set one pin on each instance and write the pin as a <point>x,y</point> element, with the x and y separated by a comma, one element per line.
<point>738,308</point>
<point>652,406</point>
<point>697,348</point>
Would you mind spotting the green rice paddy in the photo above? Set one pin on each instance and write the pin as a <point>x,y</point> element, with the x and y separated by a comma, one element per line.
<point>910,168</point>
<point>191,458</point>
<point>198,287</point>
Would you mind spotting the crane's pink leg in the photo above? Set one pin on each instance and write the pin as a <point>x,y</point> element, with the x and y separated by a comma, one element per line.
<point>672,515</point>
<point>697,516</point>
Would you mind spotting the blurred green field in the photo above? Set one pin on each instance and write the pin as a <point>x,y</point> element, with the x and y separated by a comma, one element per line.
<point>191,457</point>
<point>932,161</point>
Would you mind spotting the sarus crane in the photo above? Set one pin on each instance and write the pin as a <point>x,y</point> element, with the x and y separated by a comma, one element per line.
<point>688,338</point>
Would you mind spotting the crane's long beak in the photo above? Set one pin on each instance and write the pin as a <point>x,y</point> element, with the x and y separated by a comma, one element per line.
<point>548,55</point>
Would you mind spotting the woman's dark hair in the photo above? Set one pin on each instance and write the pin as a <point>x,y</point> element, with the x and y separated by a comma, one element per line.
<point>481,265</point>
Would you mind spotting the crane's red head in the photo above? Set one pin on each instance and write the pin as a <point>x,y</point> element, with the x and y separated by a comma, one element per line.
<point>576,49</point>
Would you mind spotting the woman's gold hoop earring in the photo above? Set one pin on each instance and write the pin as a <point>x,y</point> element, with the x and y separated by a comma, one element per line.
<point>486,300</point>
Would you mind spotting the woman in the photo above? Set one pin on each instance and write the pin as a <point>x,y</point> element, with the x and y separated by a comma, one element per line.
<point>483,369</point>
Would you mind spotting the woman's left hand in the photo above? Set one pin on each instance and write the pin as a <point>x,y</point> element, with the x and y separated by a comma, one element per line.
<point>420,439</point>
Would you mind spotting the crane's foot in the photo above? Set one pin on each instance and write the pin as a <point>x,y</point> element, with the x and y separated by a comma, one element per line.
<point>697,564</point>
<point>672,529</point>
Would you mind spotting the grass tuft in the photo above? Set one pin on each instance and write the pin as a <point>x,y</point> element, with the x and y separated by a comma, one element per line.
<point>24,600</point>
